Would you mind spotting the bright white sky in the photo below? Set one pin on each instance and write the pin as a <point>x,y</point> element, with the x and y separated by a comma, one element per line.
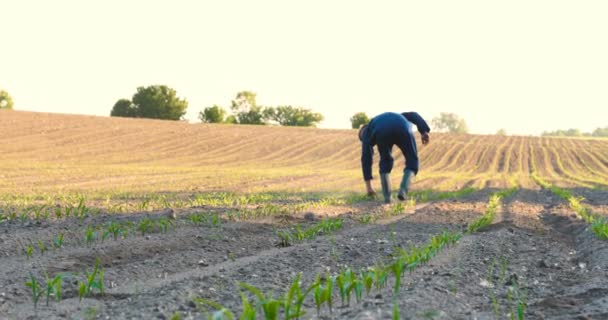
<point>522,65</point>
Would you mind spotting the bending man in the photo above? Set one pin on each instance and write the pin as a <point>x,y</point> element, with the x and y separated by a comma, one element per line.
<point>386,130</point>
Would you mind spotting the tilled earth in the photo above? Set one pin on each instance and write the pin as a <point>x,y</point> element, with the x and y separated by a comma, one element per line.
<point>535,248</point>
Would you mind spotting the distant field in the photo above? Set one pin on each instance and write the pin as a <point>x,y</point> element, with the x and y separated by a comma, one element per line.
<point>142,219</point>
<point>50,153</point>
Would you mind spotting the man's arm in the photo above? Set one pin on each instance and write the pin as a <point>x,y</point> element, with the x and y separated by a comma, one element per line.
<point>416,119</point>
<point>367,155</point>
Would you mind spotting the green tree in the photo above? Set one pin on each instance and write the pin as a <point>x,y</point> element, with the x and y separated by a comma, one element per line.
<point>213,114</point>
<point>159,102</point>
<point>153,102</point>
<point>292,116</point>
<point>124,108</point>
<point>501,132</point>
<point>600,132</point>
<point>231,119</point>
<point>6,102</point>
<point>246,109</point>
<point>359,119</point>
<point>449,122</point>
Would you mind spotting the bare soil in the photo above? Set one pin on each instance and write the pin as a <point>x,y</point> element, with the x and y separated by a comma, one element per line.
<point>535,244</point>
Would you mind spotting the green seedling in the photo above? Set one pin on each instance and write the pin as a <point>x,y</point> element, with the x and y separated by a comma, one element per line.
<point>164,224</point>
<point>93,280</point>
<point>38,212</point>
<point>35,289</point>
<point>145,226</point>
<point>368,281</point>
<point>177,316</point>
<point>285,238</point>
<point>58,241</point>
<point>216,221</point>
<point>323,294</point>
<point>269,304</point>
<point>296,293</point>
<point>58,212</point>
<point>89,235</point>
<point>222,313</point>
<point>28,251</point>
<point>114,229</point>
<point>249,311</point>
<point>41,247</point>
<point>53,287</point>
<point>196,218</point>
<point>397,269</point>
<point>396,309</point>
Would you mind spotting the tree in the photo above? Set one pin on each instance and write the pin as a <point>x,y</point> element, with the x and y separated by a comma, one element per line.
<point>501,132</point>
<point>449,122</point>
<point>213,114</point>
<point>600,132</point>
<point>6,102</point>
<point>291,116</point>
<point>246,109</point>
<point>359,119</point>
<point>153,102</point>
<point>159,102</point>
<point>124,108</point>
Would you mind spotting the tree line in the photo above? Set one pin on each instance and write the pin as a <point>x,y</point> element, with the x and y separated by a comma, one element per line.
<point>598,132</point>
<point>161,102</point>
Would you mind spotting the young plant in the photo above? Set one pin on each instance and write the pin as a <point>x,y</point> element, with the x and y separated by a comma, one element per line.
<point>270,305</point>
<point>53,287</point>
<point>114,229</point>
<point>28,251</point>
<point>35,288</point>
<point>93,280</point>
<point>164,224</point>
<point>145,226</point>
<point>89,235</point>
<point>41,247</point>
<point>221,314</point>
<point>58,241</point>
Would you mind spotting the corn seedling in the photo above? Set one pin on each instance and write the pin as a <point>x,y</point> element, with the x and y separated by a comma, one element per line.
<point>53,287</point>
<point>93,280</point>
<point>28,251</point>
<point>249,311</point>
<point>58,212</point>
<point>145,226</point>
<point>114,229</point>
<point>89,235</point>
<point>397,269</point>
<point>164,224</point>
<point>41,247</point>
<point>58,241</point>
<point>323,294</point>
<point>196,218</point>
<point>221,314</point>
<point>396,309</point>
<point>177,316</point>
<point>368,280</point>
<point>295,293</point>
<point>269,304</point>
<point>35,289</point>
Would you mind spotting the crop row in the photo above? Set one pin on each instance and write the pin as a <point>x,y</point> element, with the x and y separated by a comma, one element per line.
<point>348,282</point>
<point>599,225</point>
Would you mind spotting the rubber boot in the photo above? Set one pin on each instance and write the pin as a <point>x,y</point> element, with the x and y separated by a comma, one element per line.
<point>408,176</point>
<point>385,178</point>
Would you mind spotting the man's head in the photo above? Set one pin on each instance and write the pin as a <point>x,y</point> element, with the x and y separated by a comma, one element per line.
<point>362,132</point>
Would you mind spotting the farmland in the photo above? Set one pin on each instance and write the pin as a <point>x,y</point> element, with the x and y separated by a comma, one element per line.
<point>144,219</point>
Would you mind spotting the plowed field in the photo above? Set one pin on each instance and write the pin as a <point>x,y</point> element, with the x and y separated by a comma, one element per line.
<point>182,216</point>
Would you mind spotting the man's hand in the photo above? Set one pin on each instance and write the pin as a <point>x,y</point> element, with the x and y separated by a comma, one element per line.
<point>425,138</point>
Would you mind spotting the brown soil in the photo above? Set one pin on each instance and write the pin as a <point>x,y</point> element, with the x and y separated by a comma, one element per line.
<point>535,241</point>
